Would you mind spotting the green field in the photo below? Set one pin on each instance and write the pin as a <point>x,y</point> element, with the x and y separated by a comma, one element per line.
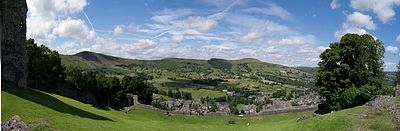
<point>63,113</point>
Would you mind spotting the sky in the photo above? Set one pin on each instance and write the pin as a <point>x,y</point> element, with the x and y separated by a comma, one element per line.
<point>287,32</point>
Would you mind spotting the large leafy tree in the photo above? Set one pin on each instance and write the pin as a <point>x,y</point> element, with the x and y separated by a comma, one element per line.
<point>351,72</point>
<point>44,65</point>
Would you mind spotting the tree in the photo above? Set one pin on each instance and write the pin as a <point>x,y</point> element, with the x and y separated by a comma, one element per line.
<point>138,86</point>
<point>44,65</point>
<point>279,94</point>
<point>351,72</point>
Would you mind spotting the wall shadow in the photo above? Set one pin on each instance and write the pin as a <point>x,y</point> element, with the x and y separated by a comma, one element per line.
<point>50,102</point>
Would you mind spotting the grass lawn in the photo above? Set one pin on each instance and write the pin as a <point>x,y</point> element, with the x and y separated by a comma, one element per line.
<point>66,114</point>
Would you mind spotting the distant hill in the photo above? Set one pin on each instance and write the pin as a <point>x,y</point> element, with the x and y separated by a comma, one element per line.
<point>178,73</point>
<point>311,70</point>
<point>92,60</point>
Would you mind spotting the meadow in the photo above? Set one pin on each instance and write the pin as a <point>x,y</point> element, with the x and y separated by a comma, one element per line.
<point>46,111</point>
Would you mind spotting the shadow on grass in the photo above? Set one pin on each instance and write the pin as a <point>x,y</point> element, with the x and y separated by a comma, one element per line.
<point>107,108</point>
<point>50,102</point>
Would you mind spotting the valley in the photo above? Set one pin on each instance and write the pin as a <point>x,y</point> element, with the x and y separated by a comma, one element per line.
<point>226,87</point>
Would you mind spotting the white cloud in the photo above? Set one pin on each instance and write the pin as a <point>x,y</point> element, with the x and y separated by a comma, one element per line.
<point>382,8</point>
<point>177,38</point>
<point>201,24</point>
<point>273,9</point>
<point>356,23</point>
<point>250,36</point>
<point>167,15</point>
<point>253,23</point>
<point>293,40</point>
<point>118,31</point>
<point>68,47</point>
<point>45,15</point>
<point>392,49</point>
<point>334,4</point>
<point>353,30</point>
<point>69,6</point>
<point>361,20</point>
<point>143,44</point>
<point>72,28</point>
<point>164,39</point>
<point>398,38</point>
<point>218,3</point>
<point>132,27</point>
<point>308,49</point>
<point>390,66</point>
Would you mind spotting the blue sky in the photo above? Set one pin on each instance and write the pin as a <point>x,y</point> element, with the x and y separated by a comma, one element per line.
<point>287,32</point>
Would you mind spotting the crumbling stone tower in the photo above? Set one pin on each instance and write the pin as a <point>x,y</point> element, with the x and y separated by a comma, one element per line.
<point>13,41</point>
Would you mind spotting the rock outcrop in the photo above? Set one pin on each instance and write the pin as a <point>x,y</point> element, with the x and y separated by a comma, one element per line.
<point>13,41</point>
<point>14,124</point>
<point>386,104</point>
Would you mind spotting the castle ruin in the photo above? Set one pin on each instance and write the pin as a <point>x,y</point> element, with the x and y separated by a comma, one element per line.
<point>13,41</point>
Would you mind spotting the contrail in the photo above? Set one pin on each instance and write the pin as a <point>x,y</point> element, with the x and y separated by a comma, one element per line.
<point>126,33</point>
<point>162,33</point>
<point>219,15</point>
<point>90,22</point>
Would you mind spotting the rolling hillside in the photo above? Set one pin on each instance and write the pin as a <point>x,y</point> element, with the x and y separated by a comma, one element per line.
<point>181,73</point>
<point>47,111</point>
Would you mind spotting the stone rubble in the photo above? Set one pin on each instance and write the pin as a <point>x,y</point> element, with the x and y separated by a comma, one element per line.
<point>14,124</point>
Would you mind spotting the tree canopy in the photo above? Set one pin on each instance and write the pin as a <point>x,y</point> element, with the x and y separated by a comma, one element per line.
<point>44,65</point>
<point>351,71</point>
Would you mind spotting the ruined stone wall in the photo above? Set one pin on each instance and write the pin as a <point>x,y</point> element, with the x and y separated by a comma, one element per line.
<point>13,41</point>
<point>84,97</point>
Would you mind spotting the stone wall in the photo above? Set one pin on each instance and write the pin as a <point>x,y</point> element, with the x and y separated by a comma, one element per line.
<point>288,110</point>
<point>396,90</point>
<point>84,97</point>
<point>13,41</point>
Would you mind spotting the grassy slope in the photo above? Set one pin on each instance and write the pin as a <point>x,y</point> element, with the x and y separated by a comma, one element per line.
<point>67,114</point>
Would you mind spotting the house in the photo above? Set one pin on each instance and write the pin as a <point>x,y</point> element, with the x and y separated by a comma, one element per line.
<point>170,103</point>
<point>260,98</point>
<point>223,106</point>
<point>231,93</point>
<point>279,104</point>
<point>250,109</point>
<point>187,103</point>
<point>177,104</point>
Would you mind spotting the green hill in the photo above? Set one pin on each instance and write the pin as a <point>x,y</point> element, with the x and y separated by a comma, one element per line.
<point>180,73</point>
<point>47,111</point>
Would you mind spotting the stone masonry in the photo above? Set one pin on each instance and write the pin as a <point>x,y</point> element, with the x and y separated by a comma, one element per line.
<point>13,41</point>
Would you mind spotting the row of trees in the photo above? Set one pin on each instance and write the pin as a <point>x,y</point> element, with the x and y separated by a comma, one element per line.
<point>45,66</point>
<point>109,91</point>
